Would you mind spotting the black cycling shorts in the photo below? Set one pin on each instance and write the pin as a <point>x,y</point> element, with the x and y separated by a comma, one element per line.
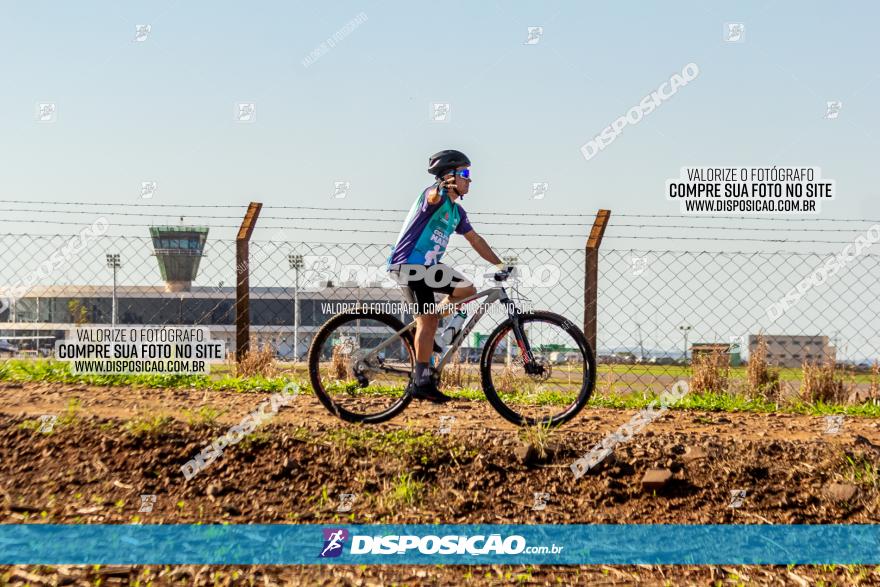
<point>419,284</point>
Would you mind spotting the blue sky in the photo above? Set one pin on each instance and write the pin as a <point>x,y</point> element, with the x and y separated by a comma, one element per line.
<point>162,109</point>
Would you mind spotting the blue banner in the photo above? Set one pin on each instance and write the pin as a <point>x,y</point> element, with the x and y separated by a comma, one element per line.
<point>623,544</point>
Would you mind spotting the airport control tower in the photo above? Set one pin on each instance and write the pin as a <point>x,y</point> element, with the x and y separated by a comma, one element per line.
<point>179,250</point>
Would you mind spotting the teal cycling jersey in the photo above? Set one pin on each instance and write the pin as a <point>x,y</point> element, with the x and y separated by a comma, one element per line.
<point>426,231</point>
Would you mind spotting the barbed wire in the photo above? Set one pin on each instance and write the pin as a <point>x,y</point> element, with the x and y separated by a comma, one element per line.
<point>680,216</point>
<point>612,224</point>
<point>510,234</point>
<point>737,228</point>
<point>470,212</point>
<point>113,213</point>
<point>33,221</point>
<point>282,207</point>
<point>123,204</point>
<point>489,212</point>
<point>285,227</point>
<point>730,239</point>
<point>271,217</point>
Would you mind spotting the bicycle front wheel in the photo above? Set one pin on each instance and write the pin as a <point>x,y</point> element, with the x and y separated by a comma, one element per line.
<point>360,367</point>
<point>547,390</point>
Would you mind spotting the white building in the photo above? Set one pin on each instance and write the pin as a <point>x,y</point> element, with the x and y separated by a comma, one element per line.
<point>786,350</point>
<point>54,310</point>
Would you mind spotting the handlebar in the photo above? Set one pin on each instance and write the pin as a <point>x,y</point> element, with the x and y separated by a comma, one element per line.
<point>502,275</point>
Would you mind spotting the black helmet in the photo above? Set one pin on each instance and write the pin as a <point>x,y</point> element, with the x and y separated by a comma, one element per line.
<point>439,164</point>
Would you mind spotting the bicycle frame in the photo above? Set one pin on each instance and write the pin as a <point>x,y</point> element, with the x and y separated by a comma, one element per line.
<point>496,293</point>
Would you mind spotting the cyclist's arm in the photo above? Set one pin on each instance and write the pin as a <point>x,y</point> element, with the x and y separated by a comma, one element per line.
<point>433,196</point>
<point>482,247</point>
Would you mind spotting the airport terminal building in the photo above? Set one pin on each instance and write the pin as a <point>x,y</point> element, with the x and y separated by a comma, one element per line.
<point>54,310</point>
<point>284,317</point>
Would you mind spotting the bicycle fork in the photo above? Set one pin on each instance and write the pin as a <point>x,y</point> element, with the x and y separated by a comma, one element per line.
<point>530,366</point>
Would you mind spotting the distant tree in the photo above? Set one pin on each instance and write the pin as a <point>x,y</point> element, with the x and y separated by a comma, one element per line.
<point>79,314</point>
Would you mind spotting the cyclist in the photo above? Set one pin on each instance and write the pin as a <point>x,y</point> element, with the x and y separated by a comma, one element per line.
<point>415,258</point>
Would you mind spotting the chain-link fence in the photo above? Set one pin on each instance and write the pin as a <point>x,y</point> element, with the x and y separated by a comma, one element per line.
<point>657,310</point>
<point>294,287</point>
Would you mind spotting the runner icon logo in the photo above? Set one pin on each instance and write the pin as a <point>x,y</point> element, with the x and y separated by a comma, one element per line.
<point>334,539</point>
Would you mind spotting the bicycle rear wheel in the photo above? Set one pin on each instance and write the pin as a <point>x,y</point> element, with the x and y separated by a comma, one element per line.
<point>352,381</point>
<point>550,389</point>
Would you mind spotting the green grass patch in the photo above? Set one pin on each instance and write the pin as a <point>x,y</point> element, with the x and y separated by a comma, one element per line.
<point>399,441</point>
<point>140,427</point>
<point>406,490</point>
<point>861,470</point>
<point>720,402</point>
<point>736,373</point>
<point>205,415</point>
<point>353,389</point>
<point>42,370</point>
<point>712,402</point>
<point>47,370</point>
<point>255,440</point>
<point>70,414</point>
<point>68,417</point>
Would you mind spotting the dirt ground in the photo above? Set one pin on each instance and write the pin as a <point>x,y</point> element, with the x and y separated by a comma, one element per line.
<point>381,576</point>
<point>109,446</point>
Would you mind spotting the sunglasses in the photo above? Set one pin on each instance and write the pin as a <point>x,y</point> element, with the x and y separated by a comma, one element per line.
<point>465,173</point>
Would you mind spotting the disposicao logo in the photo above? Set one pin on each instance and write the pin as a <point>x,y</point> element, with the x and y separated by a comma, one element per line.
<point>477,545</point>
<point>334,539</point>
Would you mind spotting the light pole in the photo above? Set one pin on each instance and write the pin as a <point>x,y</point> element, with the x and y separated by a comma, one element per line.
<point>114,264</point>
<point>641,346</point>
<point>510,261</point>
<point>685,328</point>
<point>296,263</point>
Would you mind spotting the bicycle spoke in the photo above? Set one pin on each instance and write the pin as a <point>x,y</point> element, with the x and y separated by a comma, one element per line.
<point>549,384</point>
<point>354,377</point>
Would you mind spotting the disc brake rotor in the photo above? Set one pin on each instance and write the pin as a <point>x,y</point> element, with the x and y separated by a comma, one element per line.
<point>538,369</point>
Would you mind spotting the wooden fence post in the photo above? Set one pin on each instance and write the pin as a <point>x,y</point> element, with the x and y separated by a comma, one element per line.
<point>242,281</point>
<point>591,276</point>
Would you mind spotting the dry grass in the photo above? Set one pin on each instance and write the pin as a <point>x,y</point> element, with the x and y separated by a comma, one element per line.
<point>821,383</point>
<point>509,379</point>
<point>875,380</point>
<point>538,437</point>
<point>763,381</point>
<point>339,362</point>
<point>258,361</point>
<point>608,380</point>
<point>454,375</point>
<point>711,372</point>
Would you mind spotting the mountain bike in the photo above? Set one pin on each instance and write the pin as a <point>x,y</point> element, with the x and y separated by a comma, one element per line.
<point>535,368</point>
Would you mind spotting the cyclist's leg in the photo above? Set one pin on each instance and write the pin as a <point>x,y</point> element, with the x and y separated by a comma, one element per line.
<point>460,293</point>
<point>422,304</point>
<point>420,292</point>
<point>426,327</point>
<point>455,285</point>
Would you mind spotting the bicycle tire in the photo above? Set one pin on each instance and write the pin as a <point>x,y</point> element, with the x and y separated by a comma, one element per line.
<point>512,415</point>
<point>314,363</point>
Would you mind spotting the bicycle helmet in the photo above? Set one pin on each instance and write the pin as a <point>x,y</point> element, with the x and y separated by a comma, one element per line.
<point>439,164</point>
